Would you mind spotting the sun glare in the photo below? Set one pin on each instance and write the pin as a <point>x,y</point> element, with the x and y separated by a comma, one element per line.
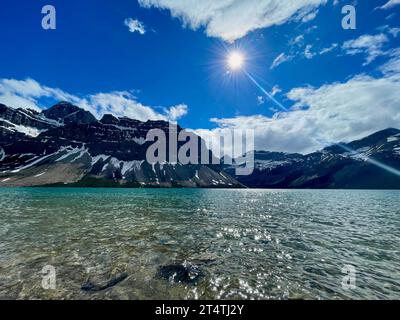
<point>235,61</point>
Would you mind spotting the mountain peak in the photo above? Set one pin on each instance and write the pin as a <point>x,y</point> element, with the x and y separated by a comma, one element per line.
<point>68,113</point>
<point>65,103</point>
<point>109,119</point>
<point>379,137</point>
<point>390,131</point>
<point>62,107</point>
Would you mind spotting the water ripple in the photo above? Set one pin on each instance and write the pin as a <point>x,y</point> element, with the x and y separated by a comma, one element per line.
<point>250,244</point>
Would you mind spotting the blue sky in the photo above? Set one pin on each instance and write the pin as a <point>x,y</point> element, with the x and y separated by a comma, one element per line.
<point>336,84</point>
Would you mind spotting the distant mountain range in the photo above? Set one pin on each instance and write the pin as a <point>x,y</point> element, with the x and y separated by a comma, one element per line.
<point>369,163</point>
<point>67,146</point>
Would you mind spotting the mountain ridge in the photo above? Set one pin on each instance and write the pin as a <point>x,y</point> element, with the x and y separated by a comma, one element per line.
<point>66,145</point>
<point>372,162</point>
<point>72,148</point>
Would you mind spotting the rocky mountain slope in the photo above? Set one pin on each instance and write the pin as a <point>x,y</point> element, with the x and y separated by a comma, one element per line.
<point>369,163</point>
<point>66,145</point>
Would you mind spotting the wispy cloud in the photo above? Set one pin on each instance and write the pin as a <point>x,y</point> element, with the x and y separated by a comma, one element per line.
<point>281,59</point>
<point>392,31</point>
<point>297,40</point>
<point>176,112</point>
<point>392,67</point>
<point>328,49</point>
<point>390,4</point>
<point>274,91</point>
<point>302,50</point>
<point>370,45</point>
<point>308,53</point>
<point>135,26</point>
<point>233,19</point>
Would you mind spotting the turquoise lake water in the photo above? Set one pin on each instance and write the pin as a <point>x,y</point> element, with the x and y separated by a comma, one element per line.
<point>250,244</point>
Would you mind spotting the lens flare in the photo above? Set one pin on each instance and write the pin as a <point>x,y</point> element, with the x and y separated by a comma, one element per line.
<point>235,61</point>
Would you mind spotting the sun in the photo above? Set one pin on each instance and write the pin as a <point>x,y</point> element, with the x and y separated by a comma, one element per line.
<point>235,60</point>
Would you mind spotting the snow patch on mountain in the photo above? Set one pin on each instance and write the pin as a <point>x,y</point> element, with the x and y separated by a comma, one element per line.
<point>102,157</point>
<point>363,154</point>
<point>41,118</point>
<point>70,151</point>
<point>140,140</point>
<point>270,164</point>
<point>40,174</point>
<point>29,131</point>
<point>393,138</point>
<point>34,163</point>
<point>131,165</point>
<point>115,162</point>
<point>52,122</point>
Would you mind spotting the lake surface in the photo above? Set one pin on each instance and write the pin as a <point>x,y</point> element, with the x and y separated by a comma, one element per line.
<point>251,244</point>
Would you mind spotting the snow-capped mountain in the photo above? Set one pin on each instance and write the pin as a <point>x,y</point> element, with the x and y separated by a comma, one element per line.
<point>66,145</point>
<point>16,123</point>
<point>372,162</point>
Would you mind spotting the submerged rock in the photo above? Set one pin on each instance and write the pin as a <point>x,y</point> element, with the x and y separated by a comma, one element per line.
<point>91,287</point>
<point>180,273</point>
<point>204,258</point>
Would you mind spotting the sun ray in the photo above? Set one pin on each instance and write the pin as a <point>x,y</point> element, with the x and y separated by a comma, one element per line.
<point>235,60</point>
<point>280,105</point>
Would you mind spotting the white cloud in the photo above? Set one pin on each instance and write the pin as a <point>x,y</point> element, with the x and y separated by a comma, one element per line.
<point>135,26</point>
<point>328,49</point>
<point>260,100</point>
<point>390,4</point>
<point>394,32</point>
<point>176,112</point>
<point>297,40</point>
<point>233,19</point>
<point>342,111</point>
<point>281,59</point>
<point>369,45</point>
<point>121,104</point>
<point>28,93</point>
<point>392,67</point>
<point>275,90</point>
<point>25,93</point>
<point>308,53</point>
<point>310,16</point>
